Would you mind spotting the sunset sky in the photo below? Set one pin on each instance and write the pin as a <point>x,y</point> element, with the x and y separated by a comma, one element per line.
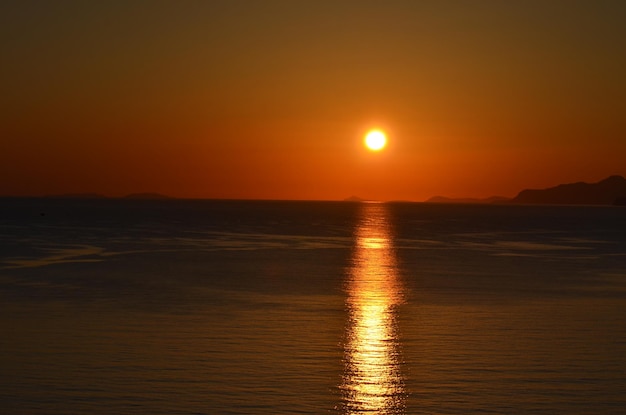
<point>271,99</point>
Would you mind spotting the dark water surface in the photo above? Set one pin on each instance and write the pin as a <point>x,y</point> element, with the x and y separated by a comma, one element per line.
<point>231,307</point>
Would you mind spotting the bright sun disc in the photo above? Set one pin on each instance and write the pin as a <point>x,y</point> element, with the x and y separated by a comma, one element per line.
<point>375,140</point>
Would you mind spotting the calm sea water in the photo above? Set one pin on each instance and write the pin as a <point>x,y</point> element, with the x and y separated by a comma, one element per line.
<point>229,307</point>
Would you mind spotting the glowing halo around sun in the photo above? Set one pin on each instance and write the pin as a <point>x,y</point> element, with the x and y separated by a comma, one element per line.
<point>375,140</point>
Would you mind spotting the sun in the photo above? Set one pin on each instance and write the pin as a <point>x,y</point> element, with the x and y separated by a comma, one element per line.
<point>375,140</point>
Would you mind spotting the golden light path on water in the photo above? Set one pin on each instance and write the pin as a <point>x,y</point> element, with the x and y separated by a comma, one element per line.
<point>373,381</point>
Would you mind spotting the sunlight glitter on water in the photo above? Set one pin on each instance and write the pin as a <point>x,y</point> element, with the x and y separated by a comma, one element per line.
<point>373,382</point>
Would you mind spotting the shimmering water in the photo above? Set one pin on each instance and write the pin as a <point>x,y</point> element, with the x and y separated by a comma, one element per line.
<point>163,307</point>
<point>373,377</point>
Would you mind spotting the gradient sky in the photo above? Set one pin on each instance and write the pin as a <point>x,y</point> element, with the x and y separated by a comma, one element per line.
<point>271,99</point>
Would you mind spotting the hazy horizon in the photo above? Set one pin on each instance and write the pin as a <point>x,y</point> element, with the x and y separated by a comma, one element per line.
<point>351,198</point>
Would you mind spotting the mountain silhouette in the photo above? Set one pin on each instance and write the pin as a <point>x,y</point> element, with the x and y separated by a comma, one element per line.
<point>76,196</point>
<point>488,200</point>
<point>354,199</point>
<point>609,191</point>
<point>146,196</point>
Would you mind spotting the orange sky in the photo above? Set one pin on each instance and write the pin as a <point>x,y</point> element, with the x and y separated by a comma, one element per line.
<point>248,99</point>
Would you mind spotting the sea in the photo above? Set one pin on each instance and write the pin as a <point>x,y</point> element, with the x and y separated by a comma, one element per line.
<point>120,306</point>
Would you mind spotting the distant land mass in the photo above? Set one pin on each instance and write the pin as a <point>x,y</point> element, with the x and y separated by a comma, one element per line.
<point>610,191</point>
<point>354,199</point>
<point>147,196</point>
<point>77,196</point>
<point>442,199</point>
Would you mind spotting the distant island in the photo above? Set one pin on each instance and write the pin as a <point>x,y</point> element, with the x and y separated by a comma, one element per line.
<point>610,191</point>
<point>354,199</point>
<point>492,199</point>
<point>76,196</point>
<point>147,196</point>
<point>141,196</point>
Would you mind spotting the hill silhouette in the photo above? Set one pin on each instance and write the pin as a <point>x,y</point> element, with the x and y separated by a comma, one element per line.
<point>354,199</point>
<point>147,196</point>
<point>610,191</point>
<point>443,199</point>
<point>76,196</point>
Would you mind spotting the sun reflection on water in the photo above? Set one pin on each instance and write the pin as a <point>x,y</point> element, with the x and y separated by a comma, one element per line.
<point>373,381</point>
